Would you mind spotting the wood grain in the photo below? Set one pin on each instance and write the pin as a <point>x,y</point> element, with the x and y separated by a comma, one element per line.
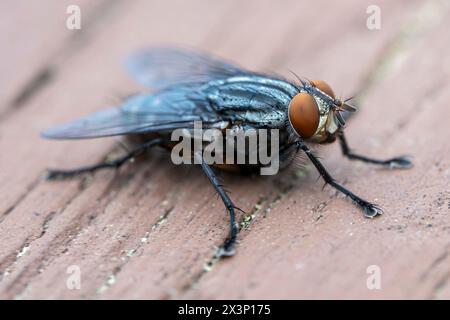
<point>150,229</point>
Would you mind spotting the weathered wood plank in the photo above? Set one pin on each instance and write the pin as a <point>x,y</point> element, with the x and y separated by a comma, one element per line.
<point>111,226</point>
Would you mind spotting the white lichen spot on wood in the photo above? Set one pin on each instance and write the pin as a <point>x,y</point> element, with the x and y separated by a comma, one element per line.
<point>23,251</point>
<point>110,281</point>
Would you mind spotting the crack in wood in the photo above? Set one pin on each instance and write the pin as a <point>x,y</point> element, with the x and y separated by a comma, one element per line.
<point>33,185</point>
<point>111,278</point>
<point>18,282</point>
<point>10,260</point>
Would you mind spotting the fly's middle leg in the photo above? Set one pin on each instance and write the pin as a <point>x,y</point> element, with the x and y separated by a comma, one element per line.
<point>114,164</point>
<point>397,162</point>
<point>370,210</point>
<point>227,249</point>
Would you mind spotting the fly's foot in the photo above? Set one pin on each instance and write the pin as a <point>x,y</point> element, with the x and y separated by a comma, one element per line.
<point>399,163</point>
<point>370,210</point>
<point>227,250</point>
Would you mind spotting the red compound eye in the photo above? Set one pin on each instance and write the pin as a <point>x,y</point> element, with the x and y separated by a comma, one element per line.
<point>304,114</point>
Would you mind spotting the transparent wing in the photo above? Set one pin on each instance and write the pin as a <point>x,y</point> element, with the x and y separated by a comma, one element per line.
<point>166,110</point>
<point>162,67</point>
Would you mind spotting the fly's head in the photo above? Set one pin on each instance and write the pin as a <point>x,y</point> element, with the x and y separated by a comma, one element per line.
<point>315,114</point>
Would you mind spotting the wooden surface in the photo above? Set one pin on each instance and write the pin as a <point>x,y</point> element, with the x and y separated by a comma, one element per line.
<point>150,230</point>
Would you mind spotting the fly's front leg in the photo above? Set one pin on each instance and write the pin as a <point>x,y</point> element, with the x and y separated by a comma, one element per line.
<point>397,162</point>
<point>227,249</point>
<point>370,210</point>
<point>114,164</point>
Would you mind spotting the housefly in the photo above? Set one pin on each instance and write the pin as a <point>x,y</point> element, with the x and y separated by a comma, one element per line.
<point>186,86</point>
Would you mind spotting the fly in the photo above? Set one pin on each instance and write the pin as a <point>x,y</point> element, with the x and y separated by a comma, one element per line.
<point>187,86</point>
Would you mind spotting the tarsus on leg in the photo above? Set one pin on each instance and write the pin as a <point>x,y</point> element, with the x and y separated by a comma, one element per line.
<point>370,210</point>
<point>397,162</point>
<point>228,246</point>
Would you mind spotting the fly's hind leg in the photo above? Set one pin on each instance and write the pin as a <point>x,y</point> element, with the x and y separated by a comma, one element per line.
<point>370,210</point>
<point>397,162</point>
<point>114,164</point>
<point>227,249</point>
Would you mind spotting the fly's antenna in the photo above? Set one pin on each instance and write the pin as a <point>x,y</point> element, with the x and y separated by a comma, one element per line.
<point>349,106</point>
<point>348,99</point>
<point>344,105</point>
